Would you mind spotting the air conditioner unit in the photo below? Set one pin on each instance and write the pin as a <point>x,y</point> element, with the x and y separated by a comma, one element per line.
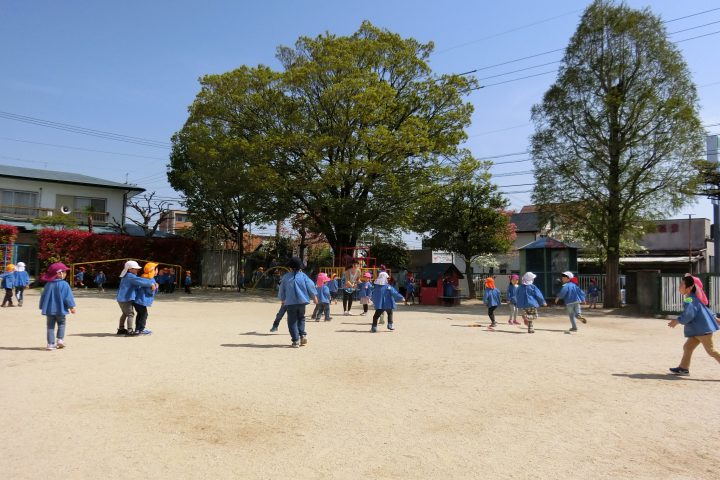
<point>48,213</point>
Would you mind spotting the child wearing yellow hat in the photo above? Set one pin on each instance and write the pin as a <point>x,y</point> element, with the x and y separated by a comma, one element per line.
<point>8,282</point>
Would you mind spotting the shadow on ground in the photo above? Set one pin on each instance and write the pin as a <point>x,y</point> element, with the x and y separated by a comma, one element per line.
<point>255,345</point>
<point>660,376</point>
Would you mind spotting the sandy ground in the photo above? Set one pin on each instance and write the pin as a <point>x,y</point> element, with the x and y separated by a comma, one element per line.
<point>212,394</point>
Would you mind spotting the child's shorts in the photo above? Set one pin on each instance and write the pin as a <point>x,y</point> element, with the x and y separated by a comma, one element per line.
<point>530,313</point>
<point>364,300</point>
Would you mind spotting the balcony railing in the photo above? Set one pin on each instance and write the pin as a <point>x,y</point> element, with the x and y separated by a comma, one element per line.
<point>29,213</point>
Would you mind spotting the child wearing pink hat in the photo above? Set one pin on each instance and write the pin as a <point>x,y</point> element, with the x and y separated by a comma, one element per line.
<point>364,290</point>
<point>55,302</point>
<point>323,305</point>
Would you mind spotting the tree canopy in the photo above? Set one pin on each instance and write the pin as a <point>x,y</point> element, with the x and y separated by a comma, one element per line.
<point>346,134</point>
<point>616,134</point>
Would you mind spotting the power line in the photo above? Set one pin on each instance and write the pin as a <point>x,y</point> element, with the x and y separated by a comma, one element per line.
<point>84,131</point>
<point>691,15</point>
<point>699,36</point>
<point>80,148</point>
<point>694,28</point>
<point>522,27</point>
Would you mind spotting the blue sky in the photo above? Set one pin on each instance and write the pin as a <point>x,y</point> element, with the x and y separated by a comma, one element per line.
<point>131,68</point>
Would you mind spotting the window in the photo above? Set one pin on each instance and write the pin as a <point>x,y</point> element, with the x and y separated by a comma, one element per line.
<point>95,204</point>
<point>17,202</point>
<point>662,228</point>
<point>674,228</point>
<point>181,217</point>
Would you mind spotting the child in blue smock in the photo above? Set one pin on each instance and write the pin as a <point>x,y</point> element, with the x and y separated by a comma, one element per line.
<point>700,324</point>
<point>296,291</point>
<point>572,295</point>
<point>22,281</point>
<point>56,301</point>
<point>491,297</point>
<point>528,299</point>
<point>384,297</point>
<point>129,283</point>
<point>333,286</point>
<point>100,280</point>
<point>8,282</point>
<point>144,296</point>
<point>364,292</point>
<point>511,294</point>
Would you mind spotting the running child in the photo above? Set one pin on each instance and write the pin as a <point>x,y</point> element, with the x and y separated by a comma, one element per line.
<point>188,281</point>
<point>384,298</point>
<point>511,294</point>
<point>22,281</point>
<point>100,280</point>
<point>364,291</point>
<point>572,295</point>
<point>56,301</point>
<point>80,278</point>
<point>491,298</point>
<point>323,297</point>
<point>700,324</point>
<point>8,282</point>
<point>296,290</point>
<point>529,298</point>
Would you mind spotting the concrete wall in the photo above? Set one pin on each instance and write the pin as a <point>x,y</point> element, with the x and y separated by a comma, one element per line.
<point>646,290</point>
<point>675,235</point>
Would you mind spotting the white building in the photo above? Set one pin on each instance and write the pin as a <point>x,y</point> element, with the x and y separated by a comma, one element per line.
<point>27,193</point>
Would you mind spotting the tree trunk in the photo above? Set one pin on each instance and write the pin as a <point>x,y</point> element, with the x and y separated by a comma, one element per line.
<point>469,276</point>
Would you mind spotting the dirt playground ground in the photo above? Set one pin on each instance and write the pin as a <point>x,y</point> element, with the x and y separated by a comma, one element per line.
<point>212,394</point>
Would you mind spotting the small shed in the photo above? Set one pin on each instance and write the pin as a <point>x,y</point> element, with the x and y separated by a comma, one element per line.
<point>439,283</point>
<point>547,258</point>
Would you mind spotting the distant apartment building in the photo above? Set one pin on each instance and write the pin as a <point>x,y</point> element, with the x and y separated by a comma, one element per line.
<point>175,221</point>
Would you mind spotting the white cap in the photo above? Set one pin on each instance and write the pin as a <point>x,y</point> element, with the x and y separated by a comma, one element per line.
<point>128,265</point>
<point>568,274</point>
<point>382,278</point>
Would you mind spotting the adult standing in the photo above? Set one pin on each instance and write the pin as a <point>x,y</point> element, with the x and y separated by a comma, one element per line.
<point>296,290</point>
<point>349,281</point>
<point>402,281</point>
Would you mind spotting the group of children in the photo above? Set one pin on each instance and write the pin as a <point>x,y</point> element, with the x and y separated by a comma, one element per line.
<point>525,298</point>
<point>135,295</point>
<point>296,290</point>
<point>15,277</point>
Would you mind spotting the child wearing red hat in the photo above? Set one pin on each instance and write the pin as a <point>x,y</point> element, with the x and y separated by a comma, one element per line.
<point>364,289</point>
<point>56,301</point>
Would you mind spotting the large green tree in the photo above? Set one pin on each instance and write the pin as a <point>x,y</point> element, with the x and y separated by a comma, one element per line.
<point>464,213</point>
<point>218,162</point>
<point>617,131</point>
<point>351,127</point>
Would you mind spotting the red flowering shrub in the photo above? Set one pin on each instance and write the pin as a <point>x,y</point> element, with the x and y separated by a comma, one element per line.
<point>8,233</point>
<point>75,246</point>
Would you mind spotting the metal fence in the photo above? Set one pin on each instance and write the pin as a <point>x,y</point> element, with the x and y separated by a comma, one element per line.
<point>219,268</point>
<point>670,299</point>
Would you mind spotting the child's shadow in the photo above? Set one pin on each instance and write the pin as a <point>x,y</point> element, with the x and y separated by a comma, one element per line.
<point>662,376</point>
<point>22,348</point>
<point>258,334</point>
<point>254,345</point>
<point>95,335</point>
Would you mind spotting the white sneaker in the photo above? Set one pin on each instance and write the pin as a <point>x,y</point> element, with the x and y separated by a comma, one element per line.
<point>346,313</point>
<point>51,346</point>
<point>60,344</point>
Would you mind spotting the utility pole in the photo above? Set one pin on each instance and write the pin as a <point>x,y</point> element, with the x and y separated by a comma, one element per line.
<point>690,264</point>
<point>712,142</point>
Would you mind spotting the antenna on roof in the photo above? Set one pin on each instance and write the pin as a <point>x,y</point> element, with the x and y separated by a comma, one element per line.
<point>126,177</point>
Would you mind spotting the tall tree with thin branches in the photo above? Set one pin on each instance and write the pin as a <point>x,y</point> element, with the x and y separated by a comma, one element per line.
<point>616,134</point>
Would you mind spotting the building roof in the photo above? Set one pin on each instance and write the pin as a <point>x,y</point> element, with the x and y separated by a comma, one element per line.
<point>434,271</point>
<point>9,171</point>
<point>547,242</point>
<point>525,222</point>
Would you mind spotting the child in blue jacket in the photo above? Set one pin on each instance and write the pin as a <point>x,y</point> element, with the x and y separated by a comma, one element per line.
<point>572,295</point>
<point>491,297</point>
<point>528,299</point>
<point>365,291</point>
<point>511,294</point>
<point>700,324</point>
<point>296,291</point>
<point>22,281</point>
<point>8,282</point>
<point>384,297</point>
<point>127,291</point>
<point>56,301</point>
<point>144,297</point>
